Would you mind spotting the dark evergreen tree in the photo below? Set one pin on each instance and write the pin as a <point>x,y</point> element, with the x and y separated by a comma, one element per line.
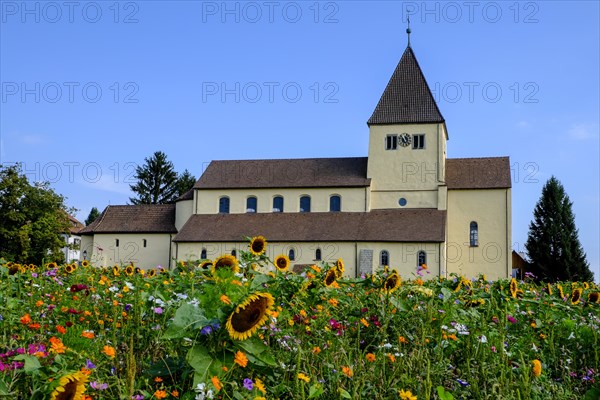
<point>156,181</point>
<point>33,219</point>
<point>185,182</point>
<point>553,243</point>
<point>94,213</point>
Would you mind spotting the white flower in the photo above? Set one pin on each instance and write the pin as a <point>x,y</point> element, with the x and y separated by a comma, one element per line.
<point>113,289</point>
<point>571,336</point>
<point>482,339</point>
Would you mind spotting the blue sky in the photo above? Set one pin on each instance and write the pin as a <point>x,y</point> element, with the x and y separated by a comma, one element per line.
<point>89,89</point>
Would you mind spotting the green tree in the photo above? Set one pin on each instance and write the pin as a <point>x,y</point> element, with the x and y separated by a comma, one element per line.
<point>553,243</point>
<point>94,213</point>
<point>33,219</point>
<point>156,181</point>
<point>185,182</point>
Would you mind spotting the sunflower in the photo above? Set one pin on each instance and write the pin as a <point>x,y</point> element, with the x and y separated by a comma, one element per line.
<point>576,296</point>
<point>51,265</point>
<point>339,268</point>
<point>392,282</point>
<point>116,270</point>
<point>151,273</point>
<point>513,288</point>
<point>69,269</point>
<point>282,262</point>
<point>560,291</point>
<point>70,387</point>
<point>129,270</point>
<point>227,261</point>
<point>330,278</point>
<point>85,263</point>
<point>549,287</point>
<point>594,297</point>
<point>258,245</point>
<point>206,264</point>
<point>249,315</point>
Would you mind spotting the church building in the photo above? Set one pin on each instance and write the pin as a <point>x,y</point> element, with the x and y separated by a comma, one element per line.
<point>403,206</point>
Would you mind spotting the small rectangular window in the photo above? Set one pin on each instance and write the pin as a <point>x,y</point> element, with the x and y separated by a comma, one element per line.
<point>418,141</point>
<point>116,242</point>
<point>391,142</point>
<point>145,242</point>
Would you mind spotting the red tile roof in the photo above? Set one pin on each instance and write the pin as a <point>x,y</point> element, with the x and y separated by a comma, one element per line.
<point>148,218</point>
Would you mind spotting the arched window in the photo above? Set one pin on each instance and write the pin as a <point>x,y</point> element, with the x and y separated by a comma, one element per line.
<point>224,205</point>
<point>251,204</point>
<point>234,253</point>
<point>335,203</point>
<point>203,254</point>
<point>384,257</point>
<point>421,258</point>
<point>292,254</point>
<point>318,255</point>
<point>305,204</point>
<point>474,234</point>
<point>277,204</point>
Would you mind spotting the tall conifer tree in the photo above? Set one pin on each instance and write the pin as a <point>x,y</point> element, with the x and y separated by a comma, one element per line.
<point>553,243</point>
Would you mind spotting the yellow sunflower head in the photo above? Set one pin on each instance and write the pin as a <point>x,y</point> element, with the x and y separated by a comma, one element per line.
<point>116,270</point>
<point>249,315</point>
<point>282,262</point>
<point>513,287</point>
<point>560,291</point>
<point>51,265</point>
<point>549,287</point>
<point>70,387</point>
<point>151,273</point>
<point>576,296</point>
<point>392,282</point>
<point>339,267</point>
<point>227,261</point>
<point>69,269</point>
<point>594,297</point>
<point>206,264</point>
<point>330,277</point>
<point>129,270</point>
<point>85,263</point>
<point>258,245</point>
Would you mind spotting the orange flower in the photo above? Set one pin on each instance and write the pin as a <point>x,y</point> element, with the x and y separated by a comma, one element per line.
<point>316,350</point>
<point>160,394</point>
<point>26,319</point>
<point>364,322</point>
<point>347,371</point>
<point>391,357</point>
<point>225,299</point>
<point>333,302</point>
<point>61,329</point>
<point>370,357</point>
<point>57,345</point>
<point>158,379</point>
<point>34,326</point>
<point>175,393</point>
<point>241,359</point>
<point>109,351</point>
<point>402,339</point>
<point>39,303</point>
<point>87,334</point>
<point>216,382</point>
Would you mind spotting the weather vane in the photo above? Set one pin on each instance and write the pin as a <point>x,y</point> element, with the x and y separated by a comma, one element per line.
<point>408,31</point>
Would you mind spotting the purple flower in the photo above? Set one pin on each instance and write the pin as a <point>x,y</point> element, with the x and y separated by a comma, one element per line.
<point>511,319</point>
<point>462,383</point>
<point>89,364</point>
<point>248,384</point>
<point>128,307</point>
<point>137,397</point>
<point>207,330</point>
<point>98,386</point>
<point>158,310</point>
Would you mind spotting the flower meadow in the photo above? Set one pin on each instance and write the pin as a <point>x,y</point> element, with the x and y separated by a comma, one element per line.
<point>250,328</point>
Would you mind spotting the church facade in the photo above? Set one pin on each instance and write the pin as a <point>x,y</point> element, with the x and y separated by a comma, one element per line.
<point>403,206</point>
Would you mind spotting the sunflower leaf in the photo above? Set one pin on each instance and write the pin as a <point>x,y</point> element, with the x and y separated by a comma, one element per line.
<point>258,353</point>
<point>344,393</point>
<point>186,317</point>
<point>204,365</point>
<point>31,362</point>
<point>315,391</point>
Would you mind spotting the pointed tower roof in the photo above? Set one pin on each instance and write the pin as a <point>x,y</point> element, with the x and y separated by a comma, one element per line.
<point>407,98</point>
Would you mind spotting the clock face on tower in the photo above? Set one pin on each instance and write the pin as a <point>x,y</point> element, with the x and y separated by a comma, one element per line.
<point>405,139</point>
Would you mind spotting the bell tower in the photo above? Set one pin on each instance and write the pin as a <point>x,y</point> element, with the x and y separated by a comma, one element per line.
<point>407,142</point>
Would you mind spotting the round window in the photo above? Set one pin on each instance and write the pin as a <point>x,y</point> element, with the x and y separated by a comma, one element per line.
<point>402,201</point>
